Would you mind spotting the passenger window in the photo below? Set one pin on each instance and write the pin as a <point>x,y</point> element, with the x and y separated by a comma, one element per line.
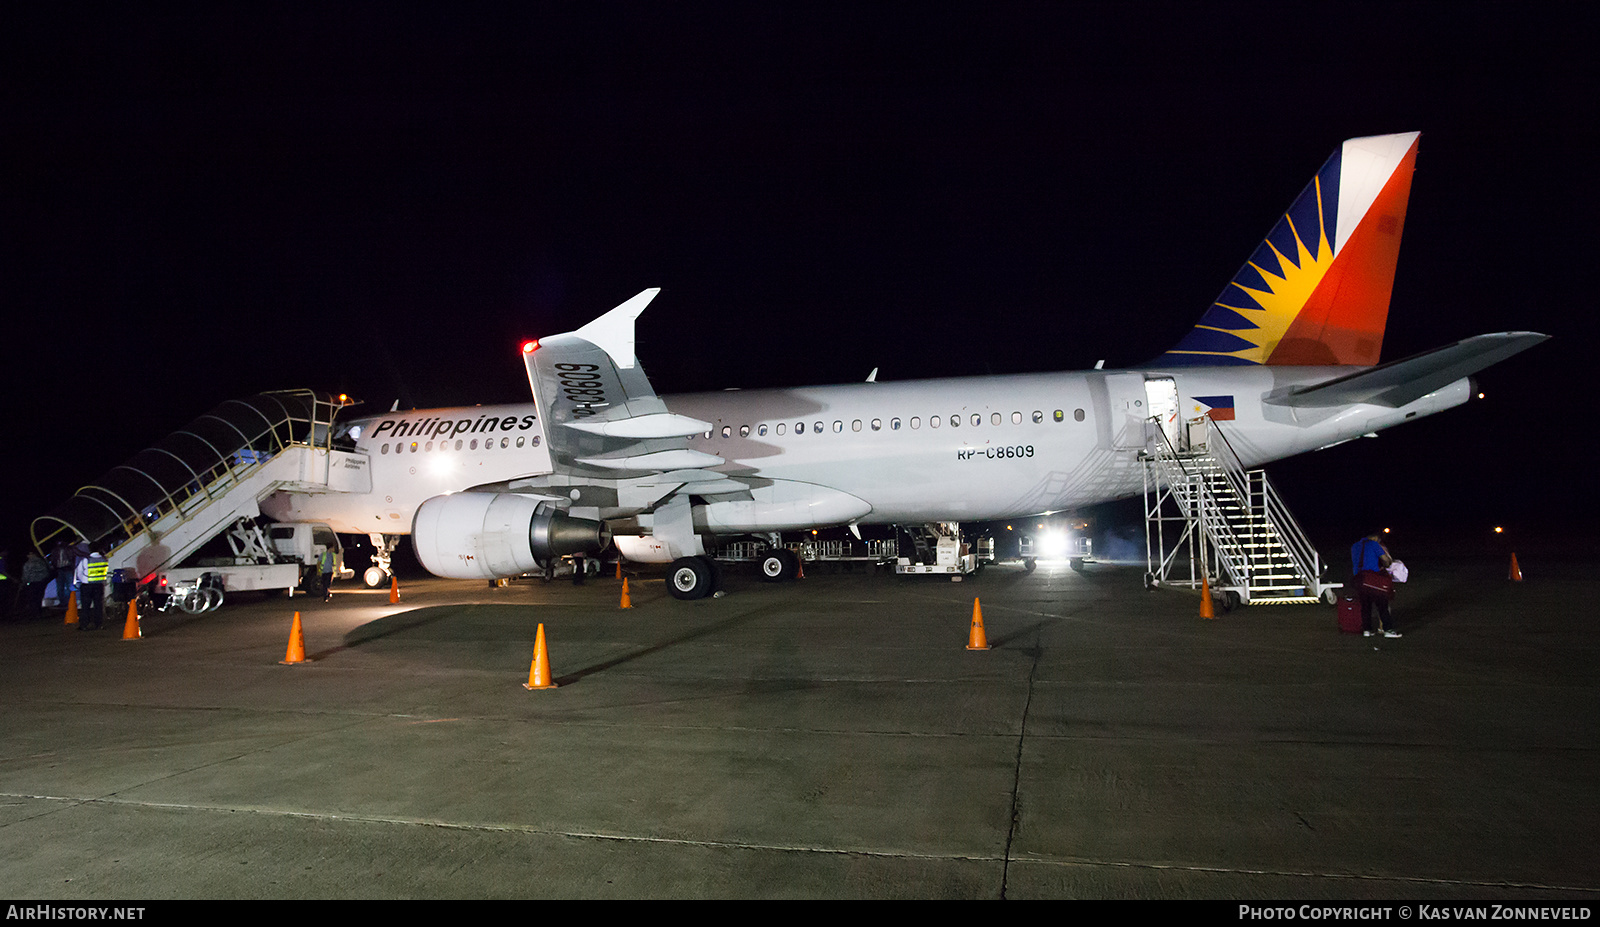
<point>1077,415</point>
<point>744,431</point>
<point>413,447</point>
<point>915,423</point>
<point>955,421</point>
<point>534,441</point>
<point>817,428</point>
<point>505,442</point>
<point>1037,416</point>
<point>977,419</point>
<point>877,424</point>
<point>782,428</point>
<point>519,441</point>
<point>1016,418</point>
<point>761,430</point>
<point>933,421</point>
<point>855,425</point>
<point>727,431</point>
<point>428,446</point>
<point>1058,415</point>
<point>894,424</point>
<point>800,428</point>
<point>458,444</point>
<point>384,449</point>
<point>473,445</point>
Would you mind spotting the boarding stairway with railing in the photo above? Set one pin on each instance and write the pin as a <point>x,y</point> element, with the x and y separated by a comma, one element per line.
<point>1207,516</point>
<point>159,507</point>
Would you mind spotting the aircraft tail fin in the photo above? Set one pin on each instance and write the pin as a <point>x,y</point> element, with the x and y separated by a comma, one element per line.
<point>1316,291</point>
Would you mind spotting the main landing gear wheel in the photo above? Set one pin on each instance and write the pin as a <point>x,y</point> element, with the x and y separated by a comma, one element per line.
<point>691,578</point>
<point>374,577</point>
<point>1028,564</point>
<point>779,565</point>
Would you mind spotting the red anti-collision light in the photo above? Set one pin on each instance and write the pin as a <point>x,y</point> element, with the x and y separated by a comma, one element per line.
<point>529,346</point>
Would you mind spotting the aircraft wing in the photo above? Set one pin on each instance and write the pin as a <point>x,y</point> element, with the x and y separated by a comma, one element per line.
<point>1398,382</point>
<point>601,416</point>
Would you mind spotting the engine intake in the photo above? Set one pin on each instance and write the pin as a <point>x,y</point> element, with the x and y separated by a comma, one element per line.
<point>480,535</point>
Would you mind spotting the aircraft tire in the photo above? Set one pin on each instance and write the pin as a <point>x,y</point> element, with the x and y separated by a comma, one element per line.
<point>778,566</point>
<point>690,578</point>
<point>374,577</point>
<point>1028,564</point>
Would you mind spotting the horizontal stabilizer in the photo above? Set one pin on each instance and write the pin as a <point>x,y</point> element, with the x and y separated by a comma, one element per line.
<point>1399,382</point>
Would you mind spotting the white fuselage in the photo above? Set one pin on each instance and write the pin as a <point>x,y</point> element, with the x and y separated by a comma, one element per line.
<point>1002,447</point>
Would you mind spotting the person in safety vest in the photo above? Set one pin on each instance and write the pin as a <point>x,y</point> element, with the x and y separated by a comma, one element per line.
<point>326,564</point>
<point>93,574</point>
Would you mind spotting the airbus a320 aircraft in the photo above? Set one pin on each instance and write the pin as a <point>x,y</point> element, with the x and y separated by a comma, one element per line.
<point>1287,355</point>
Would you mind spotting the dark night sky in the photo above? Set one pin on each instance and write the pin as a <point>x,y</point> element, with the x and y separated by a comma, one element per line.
<point>385,200</point>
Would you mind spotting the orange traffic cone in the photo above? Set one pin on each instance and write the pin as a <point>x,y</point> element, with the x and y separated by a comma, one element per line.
<point>394,590</point>
<point>72,608</point>
<point>626,602</point>
<point>539,672</point>
<point>799,567</point>
<point>619,568</point>
<point>976,639</point>
<point>297,644</point>
<point>1516,571</point>
<point>130,630</point>
<point>1206,608</point>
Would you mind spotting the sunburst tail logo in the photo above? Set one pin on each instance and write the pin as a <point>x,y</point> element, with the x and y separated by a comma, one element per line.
<point>1316,290</point>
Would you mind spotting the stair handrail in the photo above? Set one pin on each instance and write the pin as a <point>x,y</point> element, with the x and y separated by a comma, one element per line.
<point>1216,527</point>
<point>233,466</point>
<point>1295,541</point>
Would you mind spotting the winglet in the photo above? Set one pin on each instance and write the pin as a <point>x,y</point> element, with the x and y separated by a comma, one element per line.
<point>613,332</point>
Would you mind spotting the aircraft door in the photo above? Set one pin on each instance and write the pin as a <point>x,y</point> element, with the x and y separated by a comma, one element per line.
<point>1121,413</point>
<point>1161,399</point>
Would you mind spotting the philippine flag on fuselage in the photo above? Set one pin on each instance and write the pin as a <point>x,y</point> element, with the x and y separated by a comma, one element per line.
<point>1218,408</point>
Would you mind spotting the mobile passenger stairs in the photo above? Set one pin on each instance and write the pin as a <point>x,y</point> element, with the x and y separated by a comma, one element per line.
<point>152,512</point>
<point>1229,523</point>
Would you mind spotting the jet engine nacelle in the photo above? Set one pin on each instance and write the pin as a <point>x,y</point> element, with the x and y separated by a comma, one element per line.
<point>481,535</point>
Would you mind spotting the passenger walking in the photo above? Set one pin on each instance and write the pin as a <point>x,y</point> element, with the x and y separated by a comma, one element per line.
<point>1369,561</point>
<point>35,574</point>
<point>63,565</point>
<point>94,572</point>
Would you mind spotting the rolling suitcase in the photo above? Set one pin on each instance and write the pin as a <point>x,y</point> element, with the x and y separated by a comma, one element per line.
<point>1349,613</point>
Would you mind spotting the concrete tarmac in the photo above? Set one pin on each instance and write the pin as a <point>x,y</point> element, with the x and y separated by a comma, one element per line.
<point>828,738</point>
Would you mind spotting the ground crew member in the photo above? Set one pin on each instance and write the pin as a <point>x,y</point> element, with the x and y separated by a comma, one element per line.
<point>93,574</point>
<point>326,566</point>
<point>8,595</point>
